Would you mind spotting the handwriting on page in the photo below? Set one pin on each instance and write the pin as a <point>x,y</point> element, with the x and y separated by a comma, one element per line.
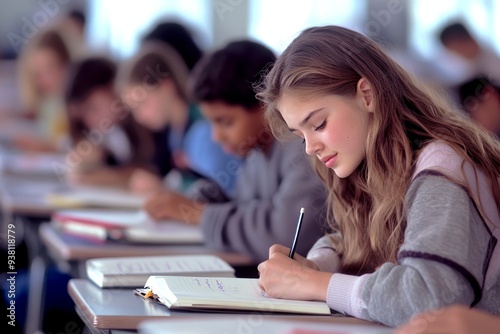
<point>214,286</point>
<point>227,292</point>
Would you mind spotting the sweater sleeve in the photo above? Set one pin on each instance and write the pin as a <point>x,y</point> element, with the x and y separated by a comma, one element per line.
<point>324,254</point>
<point>441,262</point>
<point>252,226</point>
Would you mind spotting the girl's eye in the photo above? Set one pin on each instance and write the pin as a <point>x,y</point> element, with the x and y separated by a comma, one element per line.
<point>321,126</point>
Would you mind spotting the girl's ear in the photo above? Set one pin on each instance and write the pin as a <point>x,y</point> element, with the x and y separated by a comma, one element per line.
<point>364,93</point>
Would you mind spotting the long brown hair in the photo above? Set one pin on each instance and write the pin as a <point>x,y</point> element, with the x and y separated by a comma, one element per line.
<point>368,207</point>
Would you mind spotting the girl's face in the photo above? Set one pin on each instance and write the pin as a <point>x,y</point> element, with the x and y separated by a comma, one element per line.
<point>47,71</point>
<point>334,128</point>
<point>151,107</point>
<point>99,109</point>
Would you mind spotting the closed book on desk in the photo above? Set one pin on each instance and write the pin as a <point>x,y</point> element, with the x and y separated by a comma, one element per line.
<point>96,197</point>
<point>30,163</point>
<point>223,293</point>
<point>123,225</point>
<point>134,271</point>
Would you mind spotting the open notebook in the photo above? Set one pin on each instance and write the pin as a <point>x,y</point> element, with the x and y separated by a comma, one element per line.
<point>134,271</point>
<point>124,225</point>
<point>223,293</point>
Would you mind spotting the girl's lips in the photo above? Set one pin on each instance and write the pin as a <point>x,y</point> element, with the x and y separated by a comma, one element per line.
<point>329,160</point>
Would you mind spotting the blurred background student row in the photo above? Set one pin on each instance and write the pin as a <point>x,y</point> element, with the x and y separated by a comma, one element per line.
<point>109,81</point>
<point>447,44</point>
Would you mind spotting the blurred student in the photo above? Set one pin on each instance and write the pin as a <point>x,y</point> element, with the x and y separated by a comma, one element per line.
<point>276,179</point>
<point>413,185</point>
<point>107,142</point>
<point>456,319</point>
<point>478,58</point>
<point>43,66</point>
<point>480,98</point>
<point>73,23</point>
<point>153,85</point>
<point>178,37</point>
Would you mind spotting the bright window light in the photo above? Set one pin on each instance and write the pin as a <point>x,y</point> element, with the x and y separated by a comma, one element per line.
<point>277,22</point>
<point>116,27</point>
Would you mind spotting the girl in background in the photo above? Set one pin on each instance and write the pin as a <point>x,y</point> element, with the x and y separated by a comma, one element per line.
<point>413,185</point>
<point>153,84</point>
<point>43,66</point>
<point>114,145</point>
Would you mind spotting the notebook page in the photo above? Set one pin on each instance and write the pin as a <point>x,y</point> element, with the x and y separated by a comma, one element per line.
<point>240,293</point>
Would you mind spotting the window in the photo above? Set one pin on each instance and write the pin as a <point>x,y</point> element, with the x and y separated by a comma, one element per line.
<point>277,22</point>
<point>117,26</point>
<point>429,16</point>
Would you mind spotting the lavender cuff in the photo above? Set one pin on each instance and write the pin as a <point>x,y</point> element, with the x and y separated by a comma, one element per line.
<point>344,294</point>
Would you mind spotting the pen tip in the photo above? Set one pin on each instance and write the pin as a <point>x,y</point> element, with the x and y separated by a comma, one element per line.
<point>301,210</point>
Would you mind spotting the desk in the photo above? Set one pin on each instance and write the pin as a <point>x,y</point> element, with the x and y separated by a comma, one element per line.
<point>119,309</point>
<point>72,249</point>
<point>260,324</point>
<point>113,308</point>
<point>23,201</point>
<point>25,194</point>
<point>23,206</point>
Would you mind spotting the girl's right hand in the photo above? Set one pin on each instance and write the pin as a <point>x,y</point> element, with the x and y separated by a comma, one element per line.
<point>297,278</point>
<point>297,257</point>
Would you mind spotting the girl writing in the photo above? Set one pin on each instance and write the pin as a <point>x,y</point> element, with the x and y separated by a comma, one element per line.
<point>413,185</point>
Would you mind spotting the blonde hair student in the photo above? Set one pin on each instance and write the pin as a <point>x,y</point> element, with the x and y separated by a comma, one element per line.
<point>43,67</point>
<point>413,185</point>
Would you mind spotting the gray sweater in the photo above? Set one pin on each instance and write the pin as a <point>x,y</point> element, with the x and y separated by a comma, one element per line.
<point>448,257</point>
<point>271,188</point>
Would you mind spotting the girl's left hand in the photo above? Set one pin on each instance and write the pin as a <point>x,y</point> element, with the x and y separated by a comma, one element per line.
<point>283,277</point>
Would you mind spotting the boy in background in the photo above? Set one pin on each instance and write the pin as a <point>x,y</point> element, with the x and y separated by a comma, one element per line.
<point>275,179</point>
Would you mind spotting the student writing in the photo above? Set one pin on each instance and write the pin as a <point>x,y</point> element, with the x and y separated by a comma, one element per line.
<point>274,179</point>
<point>413,185</point>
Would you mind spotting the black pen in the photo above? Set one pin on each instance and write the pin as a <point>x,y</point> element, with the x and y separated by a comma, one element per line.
<point>297,231</point>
